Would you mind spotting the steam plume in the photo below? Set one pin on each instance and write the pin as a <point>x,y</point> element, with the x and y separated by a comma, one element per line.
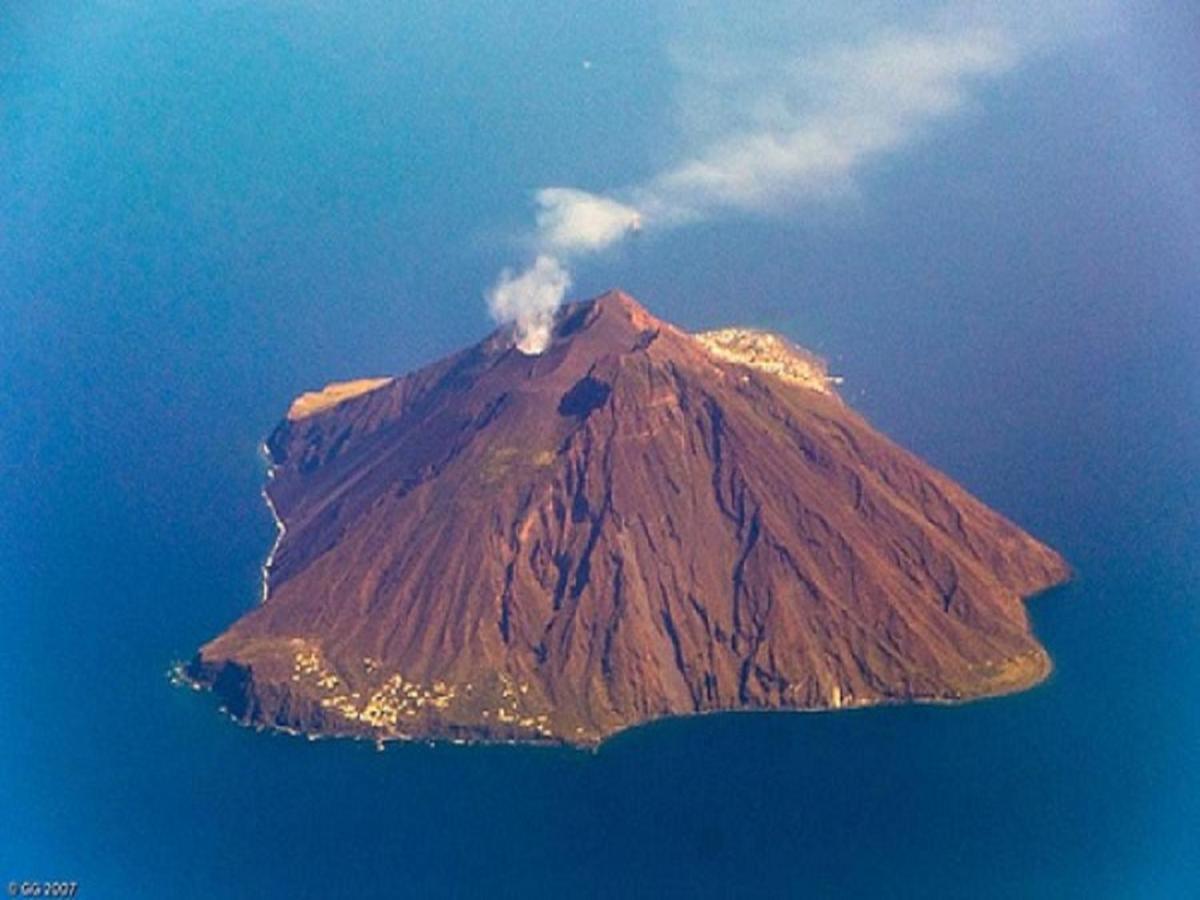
<point>571,220</point>
<point>779,133</point>
<point>528,300</point>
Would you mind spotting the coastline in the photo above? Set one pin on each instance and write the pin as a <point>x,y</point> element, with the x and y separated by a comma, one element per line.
<point>1022,673</point>
<point>1042,673</point>
<point>280,528</point>
<point>256,696</point>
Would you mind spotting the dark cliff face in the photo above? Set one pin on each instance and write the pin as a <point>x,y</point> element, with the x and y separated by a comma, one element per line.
<point>627,526</point>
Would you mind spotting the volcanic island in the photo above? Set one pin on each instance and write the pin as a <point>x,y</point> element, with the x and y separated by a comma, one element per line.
<point>636,523</point>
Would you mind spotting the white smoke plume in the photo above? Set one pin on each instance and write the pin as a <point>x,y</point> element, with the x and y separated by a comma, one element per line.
<point>528,300</point>
<point>571,220</point>
<point>780,130</point>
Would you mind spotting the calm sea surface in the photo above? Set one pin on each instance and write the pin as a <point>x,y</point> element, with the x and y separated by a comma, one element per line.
<point>206,208</point>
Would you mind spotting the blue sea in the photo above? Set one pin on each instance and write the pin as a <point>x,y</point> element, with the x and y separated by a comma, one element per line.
<point>208,207</point>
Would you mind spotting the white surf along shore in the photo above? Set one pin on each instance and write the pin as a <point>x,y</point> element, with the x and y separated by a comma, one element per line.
<point>280,528</point>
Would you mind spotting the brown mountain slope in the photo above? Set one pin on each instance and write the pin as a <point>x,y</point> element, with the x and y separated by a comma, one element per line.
<point>636,523</point>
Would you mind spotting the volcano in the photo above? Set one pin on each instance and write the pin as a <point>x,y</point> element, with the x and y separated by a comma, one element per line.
<point>636,523</point>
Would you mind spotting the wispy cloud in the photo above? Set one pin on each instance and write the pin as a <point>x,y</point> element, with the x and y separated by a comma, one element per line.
<point>799,126</point>
<point>828,118</point>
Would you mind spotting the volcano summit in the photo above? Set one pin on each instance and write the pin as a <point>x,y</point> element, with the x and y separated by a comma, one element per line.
<point>636,523</point>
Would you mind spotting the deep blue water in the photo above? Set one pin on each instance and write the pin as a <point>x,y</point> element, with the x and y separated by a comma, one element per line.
<point>208,207</point>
